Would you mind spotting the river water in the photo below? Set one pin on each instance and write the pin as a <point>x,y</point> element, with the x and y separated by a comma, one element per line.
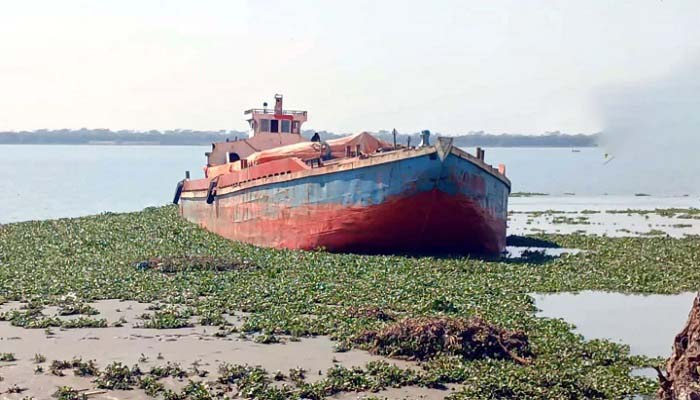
<point>41,182</point>
<point>45,181</point>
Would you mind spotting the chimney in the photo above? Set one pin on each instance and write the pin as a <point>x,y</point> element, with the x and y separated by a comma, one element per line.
<point>278,104</point>
<point>424,138</point>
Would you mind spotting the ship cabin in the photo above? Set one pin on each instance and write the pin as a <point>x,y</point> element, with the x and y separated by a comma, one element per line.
<point>269,128</point>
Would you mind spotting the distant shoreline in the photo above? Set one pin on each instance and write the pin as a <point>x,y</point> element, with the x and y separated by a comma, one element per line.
<point>534,146</point>
<point>106,137</point>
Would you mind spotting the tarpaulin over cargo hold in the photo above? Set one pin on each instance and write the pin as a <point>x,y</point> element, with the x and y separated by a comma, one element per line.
<point>310,150</point>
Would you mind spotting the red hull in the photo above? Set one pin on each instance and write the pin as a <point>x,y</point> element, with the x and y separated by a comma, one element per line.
<point>425,222</point>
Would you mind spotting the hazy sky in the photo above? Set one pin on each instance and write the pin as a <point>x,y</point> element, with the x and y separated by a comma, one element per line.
<point>450,66</point>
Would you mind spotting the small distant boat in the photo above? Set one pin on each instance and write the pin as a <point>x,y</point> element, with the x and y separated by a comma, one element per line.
<point>353,194</point>
<point>575,150</point>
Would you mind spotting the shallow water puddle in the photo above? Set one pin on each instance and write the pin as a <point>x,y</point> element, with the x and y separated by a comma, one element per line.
<point>647,323</point>
<point>515,252</point>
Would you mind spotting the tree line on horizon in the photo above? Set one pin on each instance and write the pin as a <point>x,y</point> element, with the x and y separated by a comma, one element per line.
<point>183,137</point>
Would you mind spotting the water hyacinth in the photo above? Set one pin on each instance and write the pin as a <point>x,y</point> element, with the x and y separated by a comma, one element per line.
<point>282,293</point>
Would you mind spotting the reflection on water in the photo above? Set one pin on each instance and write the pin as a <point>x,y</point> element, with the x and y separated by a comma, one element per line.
<point>647,323</point>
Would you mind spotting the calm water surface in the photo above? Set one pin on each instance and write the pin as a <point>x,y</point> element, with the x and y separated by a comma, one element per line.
<point>647,323</point>
<point>42,182</point>
<point>65,181</point>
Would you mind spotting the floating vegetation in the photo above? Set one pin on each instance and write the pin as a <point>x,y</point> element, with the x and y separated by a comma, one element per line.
<point>682,225</point>
<point>267,338</point>
<point>571,221</point>
<point>150,385</point>
<point>70,306</point>
<point>686,213</point>
<point>169,370</point>
<point>8,357</point>
<point>57,367</point>
<point>30,318</point>
<point>118,376</point>
<point>84,322</point>
<point>169,318</point>
<point>297,375</point>
<point>34,319</point>
<point>344,296</point>
<point>88,368</point>
<point>653,232</point>
<point>527,194</point>
<point>68,393</point>
<point>80,368</point>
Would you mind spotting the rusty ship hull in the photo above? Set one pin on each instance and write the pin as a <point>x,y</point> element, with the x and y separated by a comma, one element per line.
<point>426,199</point>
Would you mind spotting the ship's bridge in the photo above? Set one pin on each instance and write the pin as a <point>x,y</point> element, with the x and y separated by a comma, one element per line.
<point>275,120</point>
<point>271,127</point>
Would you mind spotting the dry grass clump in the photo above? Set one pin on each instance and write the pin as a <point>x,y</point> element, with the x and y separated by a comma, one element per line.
<point>426,337</point>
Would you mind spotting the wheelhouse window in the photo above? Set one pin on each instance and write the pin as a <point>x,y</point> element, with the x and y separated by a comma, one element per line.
<point>274,125</point>
<point>264,125</point>
<point>286,126</point>
<point>295,127</point>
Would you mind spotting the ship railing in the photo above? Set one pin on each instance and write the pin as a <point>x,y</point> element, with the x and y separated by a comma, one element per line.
<point>272,111</point>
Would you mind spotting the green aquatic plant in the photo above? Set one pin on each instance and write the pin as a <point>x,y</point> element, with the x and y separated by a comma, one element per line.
<point>266,338</point>
<point>527,194</point>
<point>299,294</point>
<point>57,366</point>
<point>169,370</point>
<point>71,307</point>
<point>88,368</point>
<point>169,318</point>
<point>117,376</point>
<point>68,393</point>
<point>150,385</point>
<point>84,322</point>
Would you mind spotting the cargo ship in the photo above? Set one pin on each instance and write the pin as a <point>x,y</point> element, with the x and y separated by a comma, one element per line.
<point>353,194</point>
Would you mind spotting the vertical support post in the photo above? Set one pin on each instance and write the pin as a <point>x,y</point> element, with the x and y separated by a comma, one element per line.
<point>348,151</point>
<point>357,150</point>
<point>408,144</point>
<point>393,133</point>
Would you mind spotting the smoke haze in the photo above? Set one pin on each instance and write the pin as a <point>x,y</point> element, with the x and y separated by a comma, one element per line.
<point>652,129</point>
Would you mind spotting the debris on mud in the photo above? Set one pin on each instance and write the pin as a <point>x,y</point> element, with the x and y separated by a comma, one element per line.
<point>423,338</point>
<point>196,263</point>
<point>682,378</point>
